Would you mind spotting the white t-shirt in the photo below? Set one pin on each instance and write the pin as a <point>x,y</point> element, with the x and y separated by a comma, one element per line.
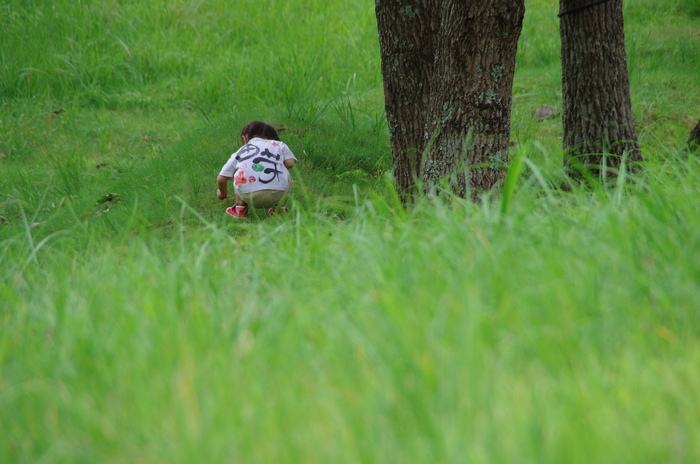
<point>259,165</point>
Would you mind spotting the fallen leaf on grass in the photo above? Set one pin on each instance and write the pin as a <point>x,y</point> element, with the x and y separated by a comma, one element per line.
<point>544,112</point>
<point>106,198</point>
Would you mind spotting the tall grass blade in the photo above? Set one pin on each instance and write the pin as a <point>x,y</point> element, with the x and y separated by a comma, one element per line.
<point>515,168</point>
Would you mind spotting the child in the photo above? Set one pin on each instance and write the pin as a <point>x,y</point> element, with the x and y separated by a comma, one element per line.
<point>259,170</point>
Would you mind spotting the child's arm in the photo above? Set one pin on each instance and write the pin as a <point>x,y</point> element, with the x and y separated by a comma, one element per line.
<point>288,157</point>
<point>222,183</point>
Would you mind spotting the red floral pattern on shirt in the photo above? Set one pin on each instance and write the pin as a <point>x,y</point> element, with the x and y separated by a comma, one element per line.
<point>240,178</point>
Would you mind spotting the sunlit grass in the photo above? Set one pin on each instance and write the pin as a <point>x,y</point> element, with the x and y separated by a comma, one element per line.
<point>396,334</point>
<point>539,326</point>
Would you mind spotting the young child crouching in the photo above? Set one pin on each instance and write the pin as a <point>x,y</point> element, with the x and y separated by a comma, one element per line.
<point>260,171</point>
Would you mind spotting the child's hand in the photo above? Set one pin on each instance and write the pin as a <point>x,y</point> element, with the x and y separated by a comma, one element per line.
<point>221,196</point>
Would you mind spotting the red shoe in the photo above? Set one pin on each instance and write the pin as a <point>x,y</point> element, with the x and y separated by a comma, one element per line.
<point>280,211</point>
<point>238,211</point>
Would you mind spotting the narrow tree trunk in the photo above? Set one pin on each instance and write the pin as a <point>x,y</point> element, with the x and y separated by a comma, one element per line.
<point>448,69</point>
<point>598,120</point>
<point>694,138</point>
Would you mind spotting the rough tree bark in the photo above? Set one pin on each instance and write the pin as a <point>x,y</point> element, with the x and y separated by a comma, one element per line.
<point>598,121</point>
<point>448,69</point>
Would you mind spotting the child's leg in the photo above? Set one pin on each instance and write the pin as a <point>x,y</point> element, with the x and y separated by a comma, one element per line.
<point>240,209</point>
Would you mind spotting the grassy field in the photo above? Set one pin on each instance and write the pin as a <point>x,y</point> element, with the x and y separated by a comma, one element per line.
<point>537,327</point>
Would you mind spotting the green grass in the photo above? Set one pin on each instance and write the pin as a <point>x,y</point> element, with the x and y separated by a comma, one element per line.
<point>537,327</point>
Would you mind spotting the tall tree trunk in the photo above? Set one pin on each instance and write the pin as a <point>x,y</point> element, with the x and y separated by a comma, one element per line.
<point>448,69</point>
<point>598,120</point>
<point>407,38</point>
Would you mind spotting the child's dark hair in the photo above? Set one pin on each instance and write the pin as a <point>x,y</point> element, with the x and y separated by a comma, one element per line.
<point>260,129</point>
